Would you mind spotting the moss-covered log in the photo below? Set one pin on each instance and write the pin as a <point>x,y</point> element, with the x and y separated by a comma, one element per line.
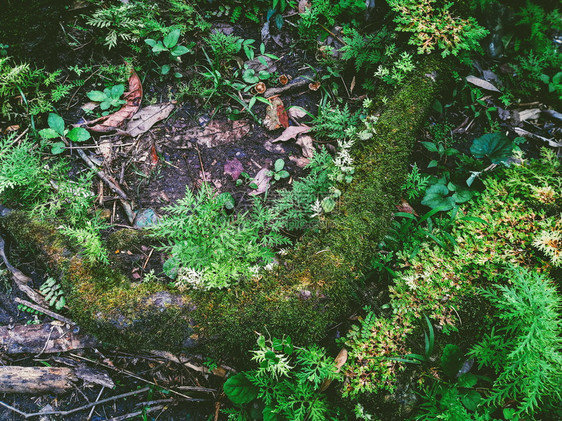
<point>311,289</point>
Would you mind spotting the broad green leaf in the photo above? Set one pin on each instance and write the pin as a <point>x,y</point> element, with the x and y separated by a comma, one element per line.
<point>471,400</point>
<point>171,39</point>
<point>159,47</point>
<point>279,165</point>
<point>56,123</point>
<point>451,360</point>
<point>263,75</point>
<point>150,42</point>
<point>117,91</point>
<point>171,267</point>
<point>462,195</point>
<point>228,200</point>
<point>97,96</point>
<point>328,204</point>
<point>57,148</point>
<point>105,105</point>
<point>240,390</point>
<point>437,197</point>
<point>467,380</point>
<point>165,69</point>
<point>180,50</point>
<point>78,134</point>
<point>430,146</point>
<point>48,133</point>
<point>249,76</point>
<point>495,146</point>
<point>283,174</point>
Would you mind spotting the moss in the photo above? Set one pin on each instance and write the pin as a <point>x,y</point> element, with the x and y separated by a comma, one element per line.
<point>314,287</point>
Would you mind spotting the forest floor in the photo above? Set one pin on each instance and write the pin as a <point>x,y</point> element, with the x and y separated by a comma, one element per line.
<point>188,145</point>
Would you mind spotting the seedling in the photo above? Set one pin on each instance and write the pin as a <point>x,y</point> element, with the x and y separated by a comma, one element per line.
<point>56,130</point>
<point>109,98</point>
<point>279,173</point>
<point>169,44</point>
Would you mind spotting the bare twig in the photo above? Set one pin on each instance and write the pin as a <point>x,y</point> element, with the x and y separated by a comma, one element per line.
<point>80,408</point>
<point>94,407</point>
<point>43,310</point>
<point>136,414</point>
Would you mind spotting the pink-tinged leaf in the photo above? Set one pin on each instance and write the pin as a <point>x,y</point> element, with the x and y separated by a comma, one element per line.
<point>233,168</point>
<point>261,180</point>
<point>291,132</point>
<point>306,143</point>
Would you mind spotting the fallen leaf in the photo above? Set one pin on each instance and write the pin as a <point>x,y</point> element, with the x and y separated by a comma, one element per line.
<point>261,180</point>
<point>297,112</point>
<point>304,5</point>
<point>314,86</point>
<point>481,83</point>
<point>274,148</point>
<point>112,122</point>
<point>291,132</point>
<point>218,132</point>
<point>530,114</point>
<point>306,143</point>
<point>153,156</point>
<point>282,115</point>
<point>147,117</point>
<point>233,168</point>
<point>271,120</point>
<point>299,162</point>
<point>339,362</point>
<point>404,206</point>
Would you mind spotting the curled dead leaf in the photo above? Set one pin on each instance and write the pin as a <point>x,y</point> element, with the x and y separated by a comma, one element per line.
<point>260,88</point>
<point>306,143</point>
<point>275,114</point>
<point>291,132</point>
<point>261,180</point>
<point>314,86</point>
<point>339,362</point>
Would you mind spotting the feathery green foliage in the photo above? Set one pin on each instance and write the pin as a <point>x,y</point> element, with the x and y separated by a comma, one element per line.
<point>525,347</point>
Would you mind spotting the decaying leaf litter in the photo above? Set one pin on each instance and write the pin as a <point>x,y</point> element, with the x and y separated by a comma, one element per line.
<point>152,152</point>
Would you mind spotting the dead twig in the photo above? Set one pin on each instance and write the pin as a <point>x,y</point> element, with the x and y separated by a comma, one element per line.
<point>46,311</point>
<point>137,413</point>
<point>94,407</point>
<point>80,408</point>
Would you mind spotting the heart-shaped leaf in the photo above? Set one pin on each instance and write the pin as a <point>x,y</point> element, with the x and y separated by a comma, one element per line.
<point>48,134</point>
<point>240,390</point>
<point>495,146</point>
<point>78,134</point>
<point>437,196</point>
<point>57,148</point>
<point>180,50</point>
<point>117,91</point>
<point>249,76</point>
<point>97,96</point>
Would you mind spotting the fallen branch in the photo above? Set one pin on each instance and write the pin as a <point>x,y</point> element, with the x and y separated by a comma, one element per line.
<point>20,279</point>
<point>42,339</point>
<point>36,380</point>
<point>43,310</point>
<point>80,408</point>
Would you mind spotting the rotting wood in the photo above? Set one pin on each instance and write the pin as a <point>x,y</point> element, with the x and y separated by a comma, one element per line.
<point>307,293</point>
<point>36,380</point>
<point>42,339</point>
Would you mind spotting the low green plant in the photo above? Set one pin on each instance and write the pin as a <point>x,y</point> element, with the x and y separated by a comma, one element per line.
<point>524,348</point>
<point>434,27</point>
<point>415,183</point>
<point>109,98</point>
<point>278,172</point>
<point>287,384</point>
<point>54,295</point>
<point>170,45</point>
<point>212,249</point>
<point>398,69</point>
<point>57,130</point>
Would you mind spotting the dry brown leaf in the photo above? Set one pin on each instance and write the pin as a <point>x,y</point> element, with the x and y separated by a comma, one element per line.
<point>481,83</point>
<point>339,362</point>
<point>297,112</point>
<point>271,120</point>
<point>304,5</point>
<point>404,206</point>
<point>306,143</point>
<point>147,117</point>
<point>300,162</point>
<point>261,179</point>
<point>291,132</point>
<point>112,122</point>
<point>530,114</point>
<point>218,132</point>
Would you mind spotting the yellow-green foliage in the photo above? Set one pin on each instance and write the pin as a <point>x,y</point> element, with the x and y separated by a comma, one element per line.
<point>501,227</point>
<point>313,287</point>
